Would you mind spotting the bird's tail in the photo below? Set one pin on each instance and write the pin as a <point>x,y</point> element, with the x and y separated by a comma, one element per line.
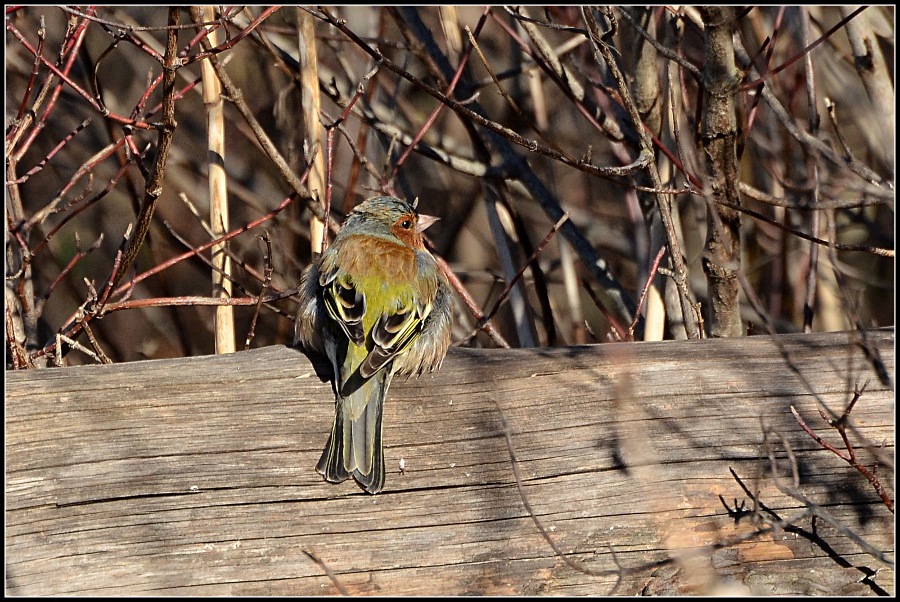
<point>354,447</point>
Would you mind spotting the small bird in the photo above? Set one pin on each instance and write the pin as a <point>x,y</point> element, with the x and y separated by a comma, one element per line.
<point>376,304</point>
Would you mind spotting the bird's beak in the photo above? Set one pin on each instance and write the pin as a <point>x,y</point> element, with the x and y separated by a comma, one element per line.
<point>425,221</point>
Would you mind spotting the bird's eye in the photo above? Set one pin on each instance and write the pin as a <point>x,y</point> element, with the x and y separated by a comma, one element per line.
<point>406,224</point>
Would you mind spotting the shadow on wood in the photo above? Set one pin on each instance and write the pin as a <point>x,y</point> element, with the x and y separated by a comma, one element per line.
<point>196,476</point>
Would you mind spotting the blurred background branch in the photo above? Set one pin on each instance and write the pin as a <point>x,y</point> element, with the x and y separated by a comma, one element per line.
<point>640,123</point>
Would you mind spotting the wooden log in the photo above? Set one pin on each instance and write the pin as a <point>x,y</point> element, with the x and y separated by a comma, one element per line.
<point>196,476</point>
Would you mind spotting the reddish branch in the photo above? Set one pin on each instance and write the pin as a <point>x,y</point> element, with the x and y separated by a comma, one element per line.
<point>840,425</point>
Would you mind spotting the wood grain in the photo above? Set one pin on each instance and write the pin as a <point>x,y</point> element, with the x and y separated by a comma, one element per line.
<point>196,476</point>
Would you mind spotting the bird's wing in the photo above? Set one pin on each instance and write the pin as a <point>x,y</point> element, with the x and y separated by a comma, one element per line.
<point>393,333</point>
<point>345,304</point>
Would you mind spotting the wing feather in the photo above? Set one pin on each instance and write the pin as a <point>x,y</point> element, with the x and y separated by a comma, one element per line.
<point>392,334</point>
<point>345,304</point>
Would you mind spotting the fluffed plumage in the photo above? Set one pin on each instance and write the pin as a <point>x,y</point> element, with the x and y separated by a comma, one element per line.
<point>376,304</point>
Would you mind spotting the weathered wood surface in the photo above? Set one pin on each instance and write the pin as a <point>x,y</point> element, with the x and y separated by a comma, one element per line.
<point>196,476</point>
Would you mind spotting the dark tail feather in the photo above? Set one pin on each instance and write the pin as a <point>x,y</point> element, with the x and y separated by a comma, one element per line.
<point>355,446</point>
<point>331,464</point>
<point>367,446</point>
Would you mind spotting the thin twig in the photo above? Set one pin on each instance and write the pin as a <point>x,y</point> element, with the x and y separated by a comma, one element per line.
<point>327,570</point>
<point>529,261</point>
<point>653,269</point>
<point>267,260</point>
<point>850,458</point>
<point>811,507</point>
<point>514,463</point>
<point>153,186</point>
